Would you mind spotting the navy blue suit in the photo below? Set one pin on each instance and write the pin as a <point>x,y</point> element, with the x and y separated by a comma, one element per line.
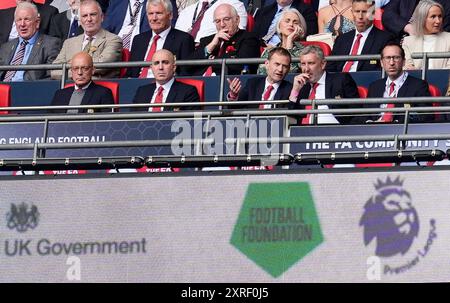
<point>94,95</point>
<point>181,44</point>
<point>373,45</point>
<point>179,92</point>
<point>254,89</point>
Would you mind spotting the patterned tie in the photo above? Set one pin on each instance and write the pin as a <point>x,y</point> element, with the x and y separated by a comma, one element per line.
<point>354,52</point>
<point>73,29</point>
<point>87,47</point>
<point>198,21</point>
<point>312,96</point>
<point>273,27</point>
<point>266,96</point>
<point>150,54</point>
<point>17,60</point>
<point>388,116</point>
<point>127,37</point>
<point>158,100</point>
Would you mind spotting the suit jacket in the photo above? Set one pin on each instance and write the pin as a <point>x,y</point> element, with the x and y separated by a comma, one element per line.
<point>265,15</point>
<point>60,26</point>
<point>254,88</point>
<point>108,48</point>
<point>243,44</point>
<point>94,95</point>
<point>7,18</point>
<point>412,87</point>
<point>414,44</point>
<point>179,92</point>
<point>181,44</point>
<point>373,45</point>
<point>44,51</point>
<point>339,86</point>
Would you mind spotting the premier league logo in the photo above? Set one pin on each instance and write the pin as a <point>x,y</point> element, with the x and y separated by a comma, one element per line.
<point>22,217</point>
<point>390,218</point>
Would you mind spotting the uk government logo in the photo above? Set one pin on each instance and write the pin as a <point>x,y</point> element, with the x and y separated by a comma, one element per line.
<point>22,217</point>
<point>391,223</point>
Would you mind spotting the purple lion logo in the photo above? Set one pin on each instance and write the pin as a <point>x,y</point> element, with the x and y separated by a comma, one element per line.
<point>390,218</point>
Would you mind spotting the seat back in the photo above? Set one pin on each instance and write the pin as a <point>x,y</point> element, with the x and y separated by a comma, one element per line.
<point>126,55</point>
<point>250,23</point>
<point>363,92</point>
<point>325,47</point>
<point>435,92</point>
<point>377,18</point>
<point>5,97</point>
<point>198,84</point>
<point>113,86</point>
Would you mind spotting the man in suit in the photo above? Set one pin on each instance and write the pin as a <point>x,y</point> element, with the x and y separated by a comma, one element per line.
<point>365,40</point>
<point>315,83</point>
<point>102,45</point>
<point>398,83</point>
<point>228,42</point>
<point>161,36</point>
<point>66,24</point>
<point>166,89</point>
<point>84,92</point>
<point>31,47</point>
<point>267,17</point>
<point>272,87</point>
<point>397,16</point>
<point>8,29</point>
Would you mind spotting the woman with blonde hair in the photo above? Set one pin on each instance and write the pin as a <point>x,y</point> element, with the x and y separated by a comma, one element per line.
<point>428,20</point>
<point>291,27</point>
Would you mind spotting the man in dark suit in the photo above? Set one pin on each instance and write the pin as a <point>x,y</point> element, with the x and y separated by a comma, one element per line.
<point>8,30</point>
<point>272,87</point>
<point>228,42</point>
<point>166,89</point>
<point>267,17</point>
<point>365,40</point>
<point>66,24</point>
<point>315,83</point>
<point>397,16</point>
<point>179,43</point>
<point>84,92</point>
<point>31,47</point>
<point>397,84</point>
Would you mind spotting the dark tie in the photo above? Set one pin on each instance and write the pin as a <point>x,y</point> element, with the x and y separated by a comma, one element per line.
<point>150,54</point>
<point>312,96</point>
<point>354,51</point>
<point>266,95</point>
<point>73,29</point>
<point>198,21</point>
<point>17,60</point>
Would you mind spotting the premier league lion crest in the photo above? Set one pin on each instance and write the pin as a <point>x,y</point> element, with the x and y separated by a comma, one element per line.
<point>390,218</point>
<point>22,217</point>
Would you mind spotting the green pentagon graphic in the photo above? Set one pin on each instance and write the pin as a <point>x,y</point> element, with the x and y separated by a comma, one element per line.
<point>277,225</point>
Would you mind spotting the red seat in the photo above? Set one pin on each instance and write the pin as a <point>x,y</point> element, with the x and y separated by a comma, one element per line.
<point>199,85</point>
<point>250,23</point>
<point>5,97</point>
<point>113,86</point>
<point>377,18</point>
<point>325,47</point>
<point>307,2</point>
<point>363,92</point>
<point>126,55</point>
<point>435,92</point>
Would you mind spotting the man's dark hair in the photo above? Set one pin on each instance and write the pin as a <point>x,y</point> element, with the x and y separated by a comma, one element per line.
<point>280,51</point>
<point>393,43</point>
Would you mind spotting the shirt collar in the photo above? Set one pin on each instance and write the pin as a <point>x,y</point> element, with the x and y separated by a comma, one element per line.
<point>166,85</point>
<point>163,34</point>
<point>399,80</point>
<point>32,40</point>
<point>322,79</point>
<point>84,87</point>
<point>364,33</point>
<point>275,85</point>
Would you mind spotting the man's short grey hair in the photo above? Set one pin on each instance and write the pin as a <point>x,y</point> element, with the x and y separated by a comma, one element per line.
<point>300,17</point>
<point>420,15</point>
<point>166,3</point>
<point>27,5</point>
<point>86,2</point>
<point>313,49</point>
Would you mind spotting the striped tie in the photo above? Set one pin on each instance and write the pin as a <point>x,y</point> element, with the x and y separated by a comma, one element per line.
<point>87,47</point>
<point>127,37</point>
<point>18,58</point>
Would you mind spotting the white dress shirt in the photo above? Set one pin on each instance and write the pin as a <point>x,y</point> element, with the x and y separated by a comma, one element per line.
<point>126,27</point>
<point>361,45</point>
<point>166,91</point>
<point>159,45</point>
<point>272,93</point>
<point>320,94</point>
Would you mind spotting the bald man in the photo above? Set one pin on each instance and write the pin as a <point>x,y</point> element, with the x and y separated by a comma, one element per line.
<point>84,92</point>
<point>165,89</point>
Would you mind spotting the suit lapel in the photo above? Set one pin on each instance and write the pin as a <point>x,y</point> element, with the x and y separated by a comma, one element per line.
<point>87,98</point>
<point>259,89</point>
<point>404,89</point>
<point>171,97</point>
<point>328,86</point>
<point>35,50</point>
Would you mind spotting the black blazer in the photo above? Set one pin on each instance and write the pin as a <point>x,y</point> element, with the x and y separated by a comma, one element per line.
<point>254,88</point>
<point>179,92</point>
<point>7,18</point>
<point>95,95</point>
<point>373,45</point>
<point>413,87</point>
<point>181,44</point>
<point>339,86</point>
<point>265,15</point>
<point>245,44</point>
<point>60,26</point>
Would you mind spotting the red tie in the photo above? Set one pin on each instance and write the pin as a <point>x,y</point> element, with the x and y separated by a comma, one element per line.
<point>266,95</point>
<point>312,96</point>
<point>198,21</point>
<point>388,117</point>
<point>149,56</point>
<point>355,48</point>
<point>158,100</point>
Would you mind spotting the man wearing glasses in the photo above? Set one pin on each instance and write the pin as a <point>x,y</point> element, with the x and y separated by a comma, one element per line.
<point>84,92</point>
<point>398,83</point>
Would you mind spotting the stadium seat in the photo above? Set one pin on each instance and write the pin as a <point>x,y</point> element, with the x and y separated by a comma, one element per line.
<point>435,92</point>
<point>113,86</point>
<point>126,55</point>
<point>199,85</point>
<point>250,23</point>
<point>325,47</point>
<point>307,2</point>
<point>377,18</point>
<point>5,97</point>
<point>363,92</point>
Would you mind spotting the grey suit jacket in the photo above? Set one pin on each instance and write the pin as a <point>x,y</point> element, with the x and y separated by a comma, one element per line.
<point>44,51</point>
<point>107,47</point>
